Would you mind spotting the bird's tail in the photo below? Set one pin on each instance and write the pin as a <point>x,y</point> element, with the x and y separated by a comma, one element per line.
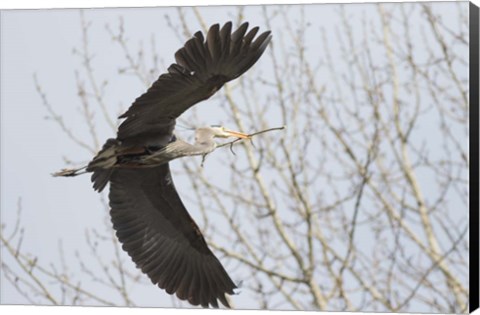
<point>100,178</point>
<point>102,164</point>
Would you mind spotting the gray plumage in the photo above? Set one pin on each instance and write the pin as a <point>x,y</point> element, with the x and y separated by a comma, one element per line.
<point>149,218</point>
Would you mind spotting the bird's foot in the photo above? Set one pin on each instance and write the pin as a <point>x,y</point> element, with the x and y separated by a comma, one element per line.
<point>204,156</point>
<point>69,172</point>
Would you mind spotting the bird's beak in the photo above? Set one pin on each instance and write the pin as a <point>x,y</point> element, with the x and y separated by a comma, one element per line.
<point>237,134</point>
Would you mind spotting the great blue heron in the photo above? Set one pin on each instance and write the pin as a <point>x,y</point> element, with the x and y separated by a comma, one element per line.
<point>149,218</point>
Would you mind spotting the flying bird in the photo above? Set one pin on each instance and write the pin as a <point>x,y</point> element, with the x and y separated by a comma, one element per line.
<point>149,217</point>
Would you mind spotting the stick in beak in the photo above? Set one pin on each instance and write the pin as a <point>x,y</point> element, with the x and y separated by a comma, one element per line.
<point>237,134</point>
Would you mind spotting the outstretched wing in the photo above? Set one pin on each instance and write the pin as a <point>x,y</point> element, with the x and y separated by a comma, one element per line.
<point>163,240</point>
<point>201,68</point>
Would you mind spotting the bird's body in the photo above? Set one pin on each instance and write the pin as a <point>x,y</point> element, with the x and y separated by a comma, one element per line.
<point>148,215</point>
<point>114,155</point>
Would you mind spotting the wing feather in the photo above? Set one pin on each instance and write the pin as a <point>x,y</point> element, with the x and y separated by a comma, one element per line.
<point>213,43</point>
<point>225,38</point>
<point>193,290</point>
<point>162,239</point>
<point>201,68</point>
<point>182,290</point>
<point>249,37</point>
<point>237,39</point>
<point>204,285</point>
<point>170,270</point>
<point>176,278</point>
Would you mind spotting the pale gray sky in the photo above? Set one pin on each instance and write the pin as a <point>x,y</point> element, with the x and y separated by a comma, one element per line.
<point>41,42</point>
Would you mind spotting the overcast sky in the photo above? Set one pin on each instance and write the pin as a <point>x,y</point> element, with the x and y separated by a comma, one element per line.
<point>42,42</point>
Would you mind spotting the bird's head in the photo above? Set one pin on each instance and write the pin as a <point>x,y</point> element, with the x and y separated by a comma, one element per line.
<point>222,132</point>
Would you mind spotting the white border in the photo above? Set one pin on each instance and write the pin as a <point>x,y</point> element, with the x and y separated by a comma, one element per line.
<point>48,4</point>
<point>82,310</point>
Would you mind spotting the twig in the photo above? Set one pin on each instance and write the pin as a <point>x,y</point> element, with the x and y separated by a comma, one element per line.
<point>250,136</point>
<point>238,139</point>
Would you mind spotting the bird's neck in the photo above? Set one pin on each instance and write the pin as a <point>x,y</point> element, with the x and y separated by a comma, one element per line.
<point>204,147</point>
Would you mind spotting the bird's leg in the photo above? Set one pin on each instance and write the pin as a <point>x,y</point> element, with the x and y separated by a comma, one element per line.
<point>70,172</point>
<point>204,156</point>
